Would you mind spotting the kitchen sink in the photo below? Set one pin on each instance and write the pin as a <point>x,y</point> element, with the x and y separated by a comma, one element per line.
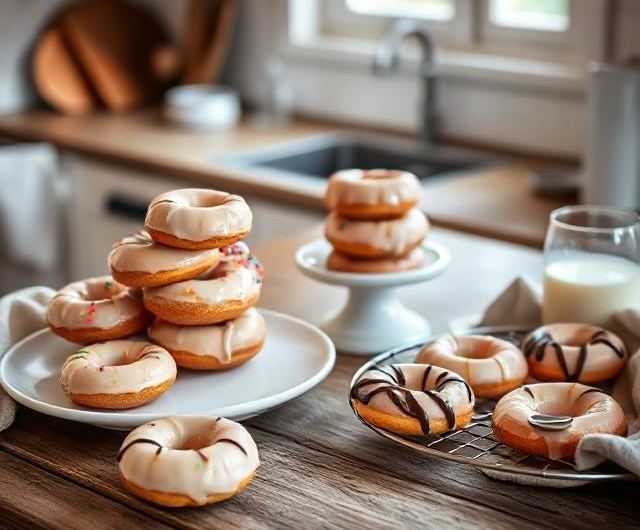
<point>320,155</point>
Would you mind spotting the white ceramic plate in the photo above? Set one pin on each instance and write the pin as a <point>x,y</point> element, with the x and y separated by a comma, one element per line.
<point>296,357</point>
<point>312,259</point>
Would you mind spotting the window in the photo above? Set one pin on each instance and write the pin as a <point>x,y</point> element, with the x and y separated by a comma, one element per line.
<point>542,15</point>
<point>567,33</point>
<point>426,9</point>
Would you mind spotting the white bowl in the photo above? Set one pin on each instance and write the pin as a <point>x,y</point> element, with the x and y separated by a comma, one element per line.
<point>202,106</point>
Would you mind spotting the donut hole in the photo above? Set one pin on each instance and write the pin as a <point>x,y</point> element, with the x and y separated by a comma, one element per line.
<point>562,405</point>
<point>471,348</point>
<point>101,290</point>
<point>379,174</point>
<point>196,442</point>
<point>573,336</point>
<point>206,200</point>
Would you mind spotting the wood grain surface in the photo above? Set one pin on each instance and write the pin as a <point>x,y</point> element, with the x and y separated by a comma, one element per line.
<point>320,467</point>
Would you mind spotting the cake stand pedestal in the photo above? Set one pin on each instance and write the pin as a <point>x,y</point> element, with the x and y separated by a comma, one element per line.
<point>373,319</point>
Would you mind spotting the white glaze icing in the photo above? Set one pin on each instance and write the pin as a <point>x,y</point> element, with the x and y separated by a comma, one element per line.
<point>479,359</point>
<point>394,236</point>
<point>116,367</point>
<point>198,214</point>
<point>372,187</point>
<point>94,303</point>
<point>139,253</point>
<point>591,412</point>
<point>218,340</point>
<point>192,461</point>
<point>455,393</point>
<point>600,358</point>
<point>229,281</point>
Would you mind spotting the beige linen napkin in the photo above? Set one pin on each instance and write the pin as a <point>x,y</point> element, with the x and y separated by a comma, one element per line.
<point>519,305</point>
<point>21,313</point>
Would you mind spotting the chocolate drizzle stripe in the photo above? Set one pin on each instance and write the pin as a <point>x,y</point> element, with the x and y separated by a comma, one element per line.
<point>590,390</point>
<point>400,379</point>
<point>582,358</point>
<point>139,441</point>
<point>457,380</point>
<point>443,375</point>
<point>618,351</point>
<point>230,441</point>
<point>445,406</point>
<point>528,391</point>
<point>410,406</point>
<point>425,377</point>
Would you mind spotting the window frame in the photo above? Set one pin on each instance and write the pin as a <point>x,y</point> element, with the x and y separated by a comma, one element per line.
<point>506,56</point>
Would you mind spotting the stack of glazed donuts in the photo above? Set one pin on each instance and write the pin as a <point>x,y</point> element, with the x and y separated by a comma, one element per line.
<point>548,418</point>
<point>190,270</point>
<point>191,281</point>
<point>374,225</point>
<point>198,278</point>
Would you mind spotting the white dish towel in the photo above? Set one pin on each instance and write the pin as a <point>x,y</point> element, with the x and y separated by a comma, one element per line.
<point>519,305</point>
<point>21,313</point>
<point>30,205</point>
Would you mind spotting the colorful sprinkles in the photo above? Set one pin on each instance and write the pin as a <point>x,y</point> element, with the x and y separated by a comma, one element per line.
<point>80,354</point>
<point>257,267</point>
<point>91,313</point>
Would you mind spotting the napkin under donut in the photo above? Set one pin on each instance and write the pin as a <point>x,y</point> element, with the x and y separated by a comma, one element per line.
<point>520,305</point>
<point>21,313</point>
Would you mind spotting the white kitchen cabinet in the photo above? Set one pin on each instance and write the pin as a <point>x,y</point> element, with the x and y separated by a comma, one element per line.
<point>108,201</point>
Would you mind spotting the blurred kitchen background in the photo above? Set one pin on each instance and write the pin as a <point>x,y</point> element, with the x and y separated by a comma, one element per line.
<point>505,108</point>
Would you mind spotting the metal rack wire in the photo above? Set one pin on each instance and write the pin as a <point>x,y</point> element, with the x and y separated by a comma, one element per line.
<point>476,444</point>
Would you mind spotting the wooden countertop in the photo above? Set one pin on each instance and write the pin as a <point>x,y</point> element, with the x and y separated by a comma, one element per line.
<point>320,467</point>
<point>495,202</point>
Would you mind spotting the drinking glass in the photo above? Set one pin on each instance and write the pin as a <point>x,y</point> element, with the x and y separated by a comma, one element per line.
<point>591,264</point>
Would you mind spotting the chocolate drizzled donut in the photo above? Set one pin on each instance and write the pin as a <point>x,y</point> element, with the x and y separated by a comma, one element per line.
<point>538,342</point>
<point>392,383</point>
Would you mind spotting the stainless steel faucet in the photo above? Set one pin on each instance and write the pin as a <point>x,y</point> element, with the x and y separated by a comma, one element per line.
<point>387,58</point>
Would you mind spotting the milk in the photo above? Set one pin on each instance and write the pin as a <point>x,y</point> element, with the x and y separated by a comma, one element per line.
<point>588,287</point>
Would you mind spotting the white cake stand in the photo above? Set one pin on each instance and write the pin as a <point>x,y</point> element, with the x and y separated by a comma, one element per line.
<point>373,319</point>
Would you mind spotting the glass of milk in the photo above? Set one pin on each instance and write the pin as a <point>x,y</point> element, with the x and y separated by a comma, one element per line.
<point>591,264</point>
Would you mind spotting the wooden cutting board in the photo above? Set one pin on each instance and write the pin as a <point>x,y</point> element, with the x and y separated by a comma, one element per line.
<point>102,52</point>
<point>208,33</point>
<point>58,78</point>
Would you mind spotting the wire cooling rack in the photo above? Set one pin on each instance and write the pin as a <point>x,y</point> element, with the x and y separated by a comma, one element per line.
<point>477,444</point>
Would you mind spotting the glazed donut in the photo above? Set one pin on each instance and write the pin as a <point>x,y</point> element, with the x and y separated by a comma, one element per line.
<point>372,194</point>
<point>198,219</point>
<point>377,239</point>
<point>413,399</point>
<point>220,294</point>
<point>97,309</point>
<point>574,352</point>
<point>549,419</point>
<point>492,366</point>
<point>138,261</point>
<point>214,347</point>
<point>340,262</point>
<point>118,374</point>
<point>189,460</point>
